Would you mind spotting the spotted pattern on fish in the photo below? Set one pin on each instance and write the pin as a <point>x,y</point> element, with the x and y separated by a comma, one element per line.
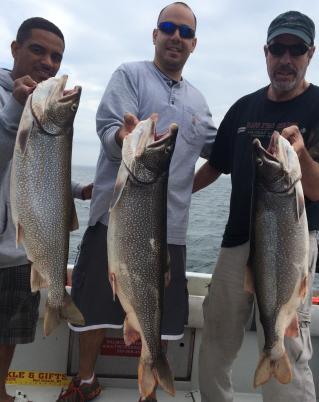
<point>279,251</point>
<point>41,184</point>
<point>137,248</point>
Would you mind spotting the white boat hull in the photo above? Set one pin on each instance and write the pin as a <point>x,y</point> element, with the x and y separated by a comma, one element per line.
<point>58,353</point>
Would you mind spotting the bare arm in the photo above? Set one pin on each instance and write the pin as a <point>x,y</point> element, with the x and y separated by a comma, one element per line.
<point>204,176</point>
<point>309,167</point>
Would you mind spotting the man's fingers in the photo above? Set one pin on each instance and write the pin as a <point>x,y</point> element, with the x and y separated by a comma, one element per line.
<point>130,121</point>
<point>27,80</point>
<point>290,131</point>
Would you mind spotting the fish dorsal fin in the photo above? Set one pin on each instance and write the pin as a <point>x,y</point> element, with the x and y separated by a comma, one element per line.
<point>300,202</point>
<point>74,223</point>
<point>25,127</point>
<point>121,180</point>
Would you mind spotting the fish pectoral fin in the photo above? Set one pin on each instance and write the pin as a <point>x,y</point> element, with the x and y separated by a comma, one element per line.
<point>37,109</point>
<point>163,374</point>
<point>300,203</point>
<point>129,333</point>
<point>74,224</point>
<point>121,180</point>
<point>146,379</point>
<point>263,371</point>
<point>249,285</point>
<point>282,369</point>
<point>293,328</point>
<point>25,128</point>
<point>37,280</point>
<point>70,312</point>
<point>303,290</point>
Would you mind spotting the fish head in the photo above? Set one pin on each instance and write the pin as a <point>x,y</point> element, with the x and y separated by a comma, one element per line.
<point>277,167</point>
<point>146,155</point>
<point>53,107</point>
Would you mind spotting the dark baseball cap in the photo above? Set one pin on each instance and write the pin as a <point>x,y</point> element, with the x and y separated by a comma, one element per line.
<point>294,23</point>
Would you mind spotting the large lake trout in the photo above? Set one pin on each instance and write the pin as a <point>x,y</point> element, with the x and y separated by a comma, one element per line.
<point>279,252</point>
<point>42,206</point>
<point>137,248</point>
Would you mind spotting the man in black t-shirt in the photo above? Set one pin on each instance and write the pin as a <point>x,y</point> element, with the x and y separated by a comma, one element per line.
<point>289,105</point>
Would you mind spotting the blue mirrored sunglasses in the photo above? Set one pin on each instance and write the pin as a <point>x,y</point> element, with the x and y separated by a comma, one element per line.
<point>169,28</point>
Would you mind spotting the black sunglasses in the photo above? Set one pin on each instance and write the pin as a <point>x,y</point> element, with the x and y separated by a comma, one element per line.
<point>279,49</point>
<point>169,28</point>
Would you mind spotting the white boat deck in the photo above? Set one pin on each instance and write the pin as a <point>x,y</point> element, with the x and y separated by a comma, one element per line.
<point>50,394</point>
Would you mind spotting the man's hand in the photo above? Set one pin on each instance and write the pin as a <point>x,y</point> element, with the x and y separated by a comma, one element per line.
<point>87,192</point>
<point>309,167</point>
<point>22,88</point>
<point>294,136</point>
<point>130,122</point>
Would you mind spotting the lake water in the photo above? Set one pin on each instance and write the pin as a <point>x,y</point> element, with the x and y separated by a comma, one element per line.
<point>208,216</point>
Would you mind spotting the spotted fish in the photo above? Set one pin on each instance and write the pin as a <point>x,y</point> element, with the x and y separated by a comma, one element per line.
<point>42,206</point>
<point>137,249</point>
<point>279,252</point>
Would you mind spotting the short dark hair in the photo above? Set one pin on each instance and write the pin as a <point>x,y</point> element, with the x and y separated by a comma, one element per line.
<point>25,28</point>
<point>180,3</point>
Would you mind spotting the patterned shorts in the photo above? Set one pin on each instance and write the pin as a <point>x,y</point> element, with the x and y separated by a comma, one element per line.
<point>18,306</point>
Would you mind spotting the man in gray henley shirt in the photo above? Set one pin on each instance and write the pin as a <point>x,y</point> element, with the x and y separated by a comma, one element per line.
<point>142,88</point>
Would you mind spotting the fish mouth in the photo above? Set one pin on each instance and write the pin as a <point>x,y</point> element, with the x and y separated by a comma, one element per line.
<point>147,138</point>
<point>66,95</point>
<point>162,138</point>
<point>70,94</point>
<point>270,154</point>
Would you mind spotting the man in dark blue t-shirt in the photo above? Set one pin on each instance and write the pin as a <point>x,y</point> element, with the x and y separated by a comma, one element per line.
<point>289,105</point>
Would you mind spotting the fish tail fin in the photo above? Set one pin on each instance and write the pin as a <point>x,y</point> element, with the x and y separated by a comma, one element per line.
<point>146,380</point>
<point>263,371</point>
<point>70,312</point>
<point>52,319</point>
<point>282,369</point>
<point>163,374</point>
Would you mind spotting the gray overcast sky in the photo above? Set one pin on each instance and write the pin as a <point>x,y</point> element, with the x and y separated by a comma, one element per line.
<point>100,35</point>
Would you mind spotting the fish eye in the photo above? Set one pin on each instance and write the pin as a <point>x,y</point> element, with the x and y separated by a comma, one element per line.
<point>74,107</point>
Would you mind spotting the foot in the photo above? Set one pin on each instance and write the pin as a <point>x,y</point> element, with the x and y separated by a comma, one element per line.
<point>78,392</point>
<point>150,398</point>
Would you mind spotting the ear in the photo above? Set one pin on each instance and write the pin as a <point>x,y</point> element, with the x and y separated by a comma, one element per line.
<point>311,53</point>
<point>14,48</point>
<point>155,32</point>
<point>194,43</point>
<point>266,50</point>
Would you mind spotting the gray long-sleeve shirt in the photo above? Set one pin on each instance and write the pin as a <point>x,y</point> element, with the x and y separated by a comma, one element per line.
<point>10,114</point>
<point>140,88</point>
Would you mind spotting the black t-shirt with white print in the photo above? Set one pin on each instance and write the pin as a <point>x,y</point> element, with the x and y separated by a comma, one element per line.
<point>255,116</point>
